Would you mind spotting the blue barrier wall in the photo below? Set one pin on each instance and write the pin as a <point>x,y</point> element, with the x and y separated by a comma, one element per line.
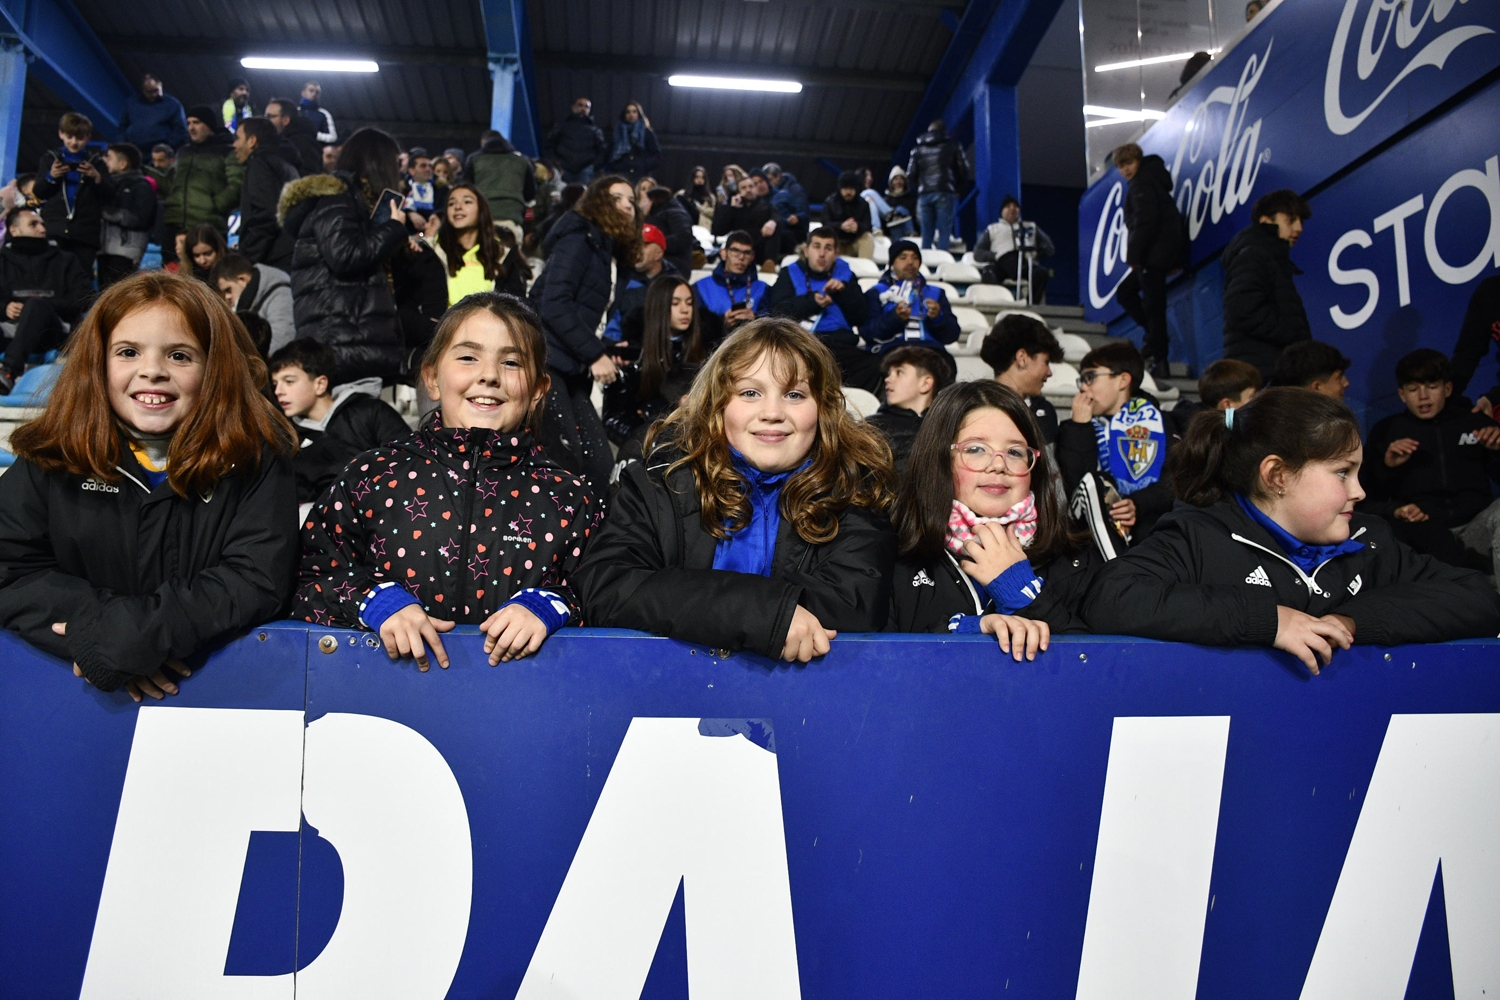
<point>910,816</point>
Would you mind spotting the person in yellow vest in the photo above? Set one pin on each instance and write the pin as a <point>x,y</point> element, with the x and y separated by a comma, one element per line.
<point>467,245</point>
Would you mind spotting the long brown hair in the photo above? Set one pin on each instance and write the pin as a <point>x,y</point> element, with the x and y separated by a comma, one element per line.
<point>926,496</point>
<point>525,328</point>
<point>656,334</point>
<point>598,207</point>
<point>850,462</point>
<point>489,254</point>
<point>78,433</point>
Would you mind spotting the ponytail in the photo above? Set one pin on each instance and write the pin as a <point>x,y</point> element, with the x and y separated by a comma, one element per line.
<point>1222,450</point>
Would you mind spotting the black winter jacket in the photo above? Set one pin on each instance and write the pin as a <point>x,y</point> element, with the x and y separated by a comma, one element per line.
<point>1480,329</point>
<point>142,575</point>
<point>576,143</point>
<point>937,163</point>
<point>80,223</point>
<point>301,134</point>
<point>1214,576</point>
<point>573,291</point>
<point>419,282</point>
<point>900,426</point>
<point>266,173</point>
<point>1262,311</point>
<point>627,416</point>
<point>677,225</point>
<point>782,300</point>
<point>638,162</point>
<point>32,268</point>
<point>651,568</point>
<point>357,423</point>
<point>836,210</point>
<point>926,595</point>
<point>340,285</point>
<point>1158,237</point>
<point>462,518</point>
<point>1078,453</point>
<point>1448,476</point>
<point>750,216</point>
<point>130,213</point>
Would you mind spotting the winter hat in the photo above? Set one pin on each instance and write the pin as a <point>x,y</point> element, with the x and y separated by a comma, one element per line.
<point>207,116</point>
<point>651,234</point>
<point>896,171</point>
<point>238,81</point>
<point>849,179</point>
<point>901,246</point>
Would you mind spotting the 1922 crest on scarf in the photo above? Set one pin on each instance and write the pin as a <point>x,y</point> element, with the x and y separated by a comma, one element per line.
<point>1138,449</point>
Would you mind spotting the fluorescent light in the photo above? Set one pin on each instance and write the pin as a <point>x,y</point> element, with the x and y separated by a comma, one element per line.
<point>311,65</point>
<point>1145,114</point>
<point>736,83</point>
<point>1131,119</point>
<point>1154,60</point>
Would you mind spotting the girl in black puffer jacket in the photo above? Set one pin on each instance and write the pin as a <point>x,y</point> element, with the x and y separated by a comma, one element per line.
<point>341,289</point>
<point>464,520</point>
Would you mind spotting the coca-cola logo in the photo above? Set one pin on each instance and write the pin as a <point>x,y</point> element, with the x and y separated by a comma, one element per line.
<point>1387,21</point>
<point>1109,242</point>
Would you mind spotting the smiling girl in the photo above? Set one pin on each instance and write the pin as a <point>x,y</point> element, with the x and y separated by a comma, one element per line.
<point>149,513</point>
<point>469,249</point>
<point>1275,554</point>
<point>757,519</point>
<point>464,520</point>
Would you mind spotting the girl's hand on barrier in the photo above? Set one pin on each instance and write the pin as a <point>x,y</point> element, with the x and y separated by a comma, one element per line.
<point>511,633</point>
<point>1018,636</point>
<point>1310,639</point>
<point>159,684</point>
<point>806,638</point>
<point>405,632</point>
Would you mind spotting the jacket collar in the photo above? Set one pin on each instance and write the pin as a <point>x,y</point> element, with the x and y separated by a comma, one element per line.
<point>470,449</point>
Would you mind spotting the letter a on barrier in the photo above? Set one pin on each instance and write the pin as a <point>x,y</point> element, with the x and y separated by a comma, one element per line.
<point>687,802</point>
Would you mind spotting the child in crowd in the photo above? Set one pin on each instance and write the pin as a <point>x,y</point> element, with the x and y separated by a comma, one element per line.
<point>147,514</point>
<point>1429,469</point>
<point>905,309</point>
<point>68,182</point>
<point>1275,554</point>
<point>469,249</point>
<point>1312,364</point>
<point>913,376</point>
<point>1224,384</point>
<point>130,210</point>
<point>1020,351</point>
<point>463,520</point>
<point>335,423</point>
<point>985,542</point>
<point>204,246</point>
<point>757,519</point>
<point>258,288</point>
<point>672,351</point>
<point>1113,451</point>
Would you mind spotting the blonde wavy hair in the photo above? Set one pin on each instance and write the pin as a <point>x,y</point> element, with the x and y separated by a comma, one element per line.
<point>850,461</point>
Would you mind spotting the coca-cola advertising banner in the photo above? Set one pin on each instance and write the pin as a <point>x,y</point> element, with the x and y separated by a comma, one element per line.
<point>1310,89</point>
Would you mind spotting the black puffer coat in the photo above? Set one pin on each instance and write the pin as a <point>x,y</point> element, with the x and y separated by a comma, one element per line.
<point>1263,313</point>
<point>937,163</point>
<point>900,426</point>
<point>340,285</point>
<point>573,291</point>
<point>1158,237</point>
<point>266,173</point>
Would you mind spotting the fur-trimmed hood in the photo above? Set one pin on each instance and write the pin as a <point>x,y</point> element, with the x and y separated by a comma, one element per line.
<point>306,188</point>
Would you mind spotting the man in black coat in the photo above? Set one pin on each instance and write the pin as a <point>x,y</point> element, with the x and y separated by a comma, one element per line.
<point>936,169</point>
<point>1158,245</point>
<point>41,288</point>
<point>747,211</point>
<point>266,173</point>
<point>1263,314</point>
<point>299,144</point>
<point>666,214</point>
<point>849,215</point>
<point>576,144</point>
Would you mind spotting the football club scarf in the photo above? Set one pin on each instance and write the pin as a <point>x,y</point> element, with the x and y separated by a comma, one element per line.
<point>1132,445</point>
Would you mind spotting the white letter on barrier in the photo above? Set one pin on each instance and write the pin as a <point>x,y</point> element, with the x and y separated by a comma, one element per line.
<point>1353,276</point>
<point>1395,220</point>
<point>1488,182</point>
<point>677,807</point>
<point>1144,936</point>
<point>1434,796</point>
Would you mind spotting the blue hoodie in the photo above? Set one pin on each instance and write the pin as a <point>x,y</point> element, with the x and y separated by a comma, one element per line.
<point>147,123</point>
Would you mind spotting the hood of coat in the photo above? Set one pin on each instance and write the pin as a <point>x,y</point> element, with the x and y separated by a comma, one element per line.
<point>271,278</point>
<point>1261,236</point>
<point>499,144</point>
<point>1153,173</point>
<point>307,189</point>
<point>361,388</point>
<point>931,138</point>
<point>572,223</point>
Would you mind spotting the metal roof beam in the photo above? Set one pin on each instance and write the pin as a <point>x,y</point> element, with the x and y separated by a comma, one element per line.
<point>69,58</point>
<point>766,148</point>
<point>234,48</point>
<point>513,110</point>
<point>664,66</point>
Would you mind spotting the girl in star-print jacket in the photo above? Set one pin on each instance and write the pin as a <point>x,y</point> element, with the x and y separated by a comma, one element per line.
<point>463,520</point>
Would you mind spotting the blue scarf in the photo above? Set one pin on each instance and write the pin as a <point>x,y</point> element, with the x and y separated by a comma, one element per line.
<point>629,136</point>
<point>1132,445</point>
<point>1307,557</point>
<point>752,549</point>
<point>73,179</point>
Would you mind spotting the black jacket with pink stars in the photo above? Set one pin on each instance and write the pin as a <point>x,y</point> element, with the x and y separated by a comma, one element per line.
<point>462,519</point>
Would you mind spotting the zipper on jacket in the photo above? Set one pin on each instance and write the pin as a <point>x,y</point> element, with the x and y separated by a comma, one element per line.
<point>128,476</point>
<point>978,607</point>
<point>1311,582</point>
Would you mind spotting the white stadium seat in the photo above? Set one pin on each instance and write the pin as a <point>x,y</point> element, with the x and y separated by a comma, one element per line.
<point>704,237</point>
<point>948,290</point>
<point>1064,382</point>
<point>863,267</point>
<point>988,295</point>
<point>970,319</point>
<point>860,402</point>
<point>1074,347</point>
<point>698,274</point>
<point>866,284</point>
<point>958,273</point>
<point>882,254</point>
<point>971,369</point>
<point>932,258</point>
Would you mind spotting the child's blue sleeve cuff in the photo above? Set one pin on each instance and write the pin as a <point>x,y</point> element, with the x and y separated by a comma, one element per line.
<point>964,624</point>
<point>546,605</point>
<point>381,602</point>
<point>1014,589</point>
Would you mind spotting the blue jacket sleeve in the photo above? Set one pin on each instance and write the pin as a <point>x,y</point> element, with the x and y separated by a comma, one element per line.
<point>944,329</point>
<point>883,326</point>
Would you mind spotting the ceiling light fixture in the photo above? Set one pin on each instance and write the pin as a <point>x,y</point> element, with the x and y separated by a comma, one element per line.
<point>311,65</point>
<point>1145,114</point>
<point>1152,61</point>
<point>736,83</point>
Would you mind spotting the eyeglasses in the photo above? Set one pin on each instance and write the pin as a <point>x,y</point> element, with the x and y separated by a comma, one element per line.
<point>1087,378</point>
<point>976,456</point>
<point>740,252</point>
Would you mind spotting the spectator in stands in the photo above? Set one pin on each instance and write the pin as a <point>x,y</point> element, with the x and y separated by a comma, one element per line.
<point>1005,245</point>
<point>237,106</point>
<point>260,289</point>
<point>821,293</point>
<point>913,376</point>
<point>1114,449</point>
<point>571,294</point>
<point>298,134</point>
<point>1312,364</point>
<point>938,166</point>
<point>905,310</point>
<point>757,520</point>
<point>333,423</point>
<point>729,181</point>
<point>628,311</point>
<point>163,160</point>
<point>1157,246</point>
<point>985,540</point>
<point>153,116</point>
<point>747,211</point>
<point>201,247</point>
<point>565,202</point>
<point>893,213</point>
<point>576,144</point>
<point>661,210</point>
<point>1275,554</point>
<point>518,522</point>
<point>130,211</point>
<point>321,117</point>
<point>1253,9</point>
<point>1481,327</point>
<point>633,149</point>
<point>68,183</point>
<point>1020,350</point>
<point>503,176</point>
<point>848,216</point>
<point>470,249</point>
<point>266,174</point>
<point>1224,384</point>
<point>343,246</point>
<point>42,288</point>
<point>699,199</point>
<point>425,197</point>
<point>672,350</point>
<point>1263,313</point>
<point>1430,469</point>
<point>205,185</point>
<point>331,156</point>
<point>732,295</point>
<point>788,201</point>
<point>146,517</point>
